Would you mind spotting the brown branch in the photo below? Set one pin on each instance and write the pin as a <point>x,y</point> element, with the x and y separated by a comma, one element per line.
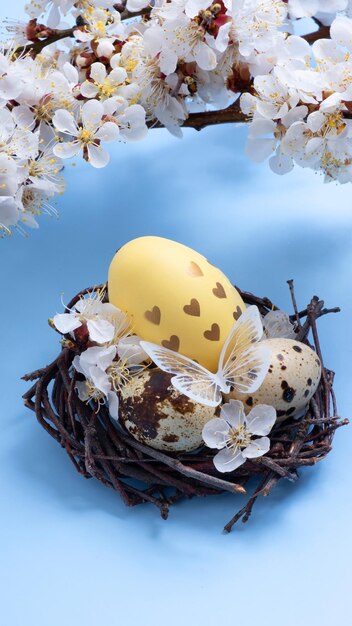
<point>198,121</point>
<point>322,33</point>
<point>56,35</point>
<point>230,115</point>
<point>37,46</point>
<point>127,15</point>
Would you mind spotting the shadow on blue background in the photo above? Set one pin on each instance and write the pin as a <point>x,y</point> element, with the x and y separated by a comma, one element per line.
<point>70,551</point>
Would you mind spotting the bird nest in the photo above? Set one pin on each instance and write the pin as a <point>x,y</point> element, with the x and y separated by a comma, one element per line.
<point>141,474</point>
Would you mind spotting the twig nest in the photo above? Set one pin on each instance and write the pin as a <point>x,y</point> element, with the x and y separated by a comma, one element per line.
<point>164,420</point>
<point>291,381</point>
<point>158,415</point>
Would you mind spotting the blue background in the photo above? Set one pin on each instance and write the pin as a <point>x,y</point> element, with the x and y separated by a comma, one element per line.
<point>71,553</point>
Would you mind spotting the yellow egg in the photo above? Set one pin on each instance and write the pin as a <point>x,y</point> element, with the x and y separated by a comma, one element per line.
<point>174,297</point>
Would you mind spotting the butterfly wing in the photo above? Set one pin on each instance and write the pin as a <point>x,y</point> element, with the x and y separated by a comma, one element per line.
<point>244,362</point>
<point>190,378</point>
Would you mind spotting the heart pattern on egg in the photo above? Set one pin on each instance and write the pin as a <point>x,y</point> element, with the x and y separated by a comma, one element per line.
<point>172,344</point>
<point>194,270</point>
<point>193,308</point>
<point>219,291</point>
<point>153,316</point>
<point>213,334</point>
<point>237,314</point>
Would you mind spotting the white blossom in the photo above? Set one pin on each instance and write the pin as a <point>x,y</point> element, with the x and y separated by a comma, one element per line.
<point>9,214</point>
<point>277,324</point>
<point>87,136</point>
<point>105,322</point>
<point>107,369</point>
<point>101,84</point>
<point>93,363</point>
<point>238,436</point>
<point>99,24</point>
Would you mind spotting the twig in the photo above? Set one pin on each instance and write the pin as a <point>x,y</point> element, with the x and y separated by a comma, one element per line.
<point>294,302</point>
<point>36,47</point>
<point>246,511</point>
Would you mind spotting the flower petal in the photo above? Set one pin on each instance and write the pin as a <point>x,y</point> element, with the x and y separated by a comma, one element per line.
<point>256,448</point>
<point>92,112</point>
<point>98,72</point>
<point>80,35</point>
<point>113,401</point>
<point>233,413</point>
<point>228,460</point>
<point>100,330</point>
<point>88,89</point>
<point>100,379</point>
<point>261,126</point>
<point>130,350</point>
<point>106,357</point>
<point>341,32</point>
<point>23,117</point>
<point>281,163</point>
<point>9,211</point>
<point>215,433</point>
<point>66,322</point>
<point>205,56</point>
<point>107,132</point>
<point>118,75</point>
<point>66,149</point>
<point>132,122</point>
<point>64,122</point>
<point>136,5</point>
<point>77,364</point>
<point>102,357</point>
<point>261,419</point>
<point>259,148</point>
<point>97,156</point>
<point>70,73</point>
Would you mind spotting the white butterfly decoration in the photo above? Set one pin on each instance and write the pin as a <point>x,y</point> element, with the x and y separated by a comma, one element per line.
<point>243,363</point>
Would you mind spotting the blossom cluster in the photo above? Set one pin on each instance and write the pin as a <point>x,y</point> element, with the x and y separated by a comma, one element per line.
<point>109,354</point>
<point>82,73</point>
<point>301,112</point>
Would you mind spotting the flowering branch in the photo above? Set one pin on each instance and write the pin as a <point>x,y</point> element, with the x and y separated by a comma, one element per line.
<point>230,115</point>
<point>130,67</point>
<point>56,34</point>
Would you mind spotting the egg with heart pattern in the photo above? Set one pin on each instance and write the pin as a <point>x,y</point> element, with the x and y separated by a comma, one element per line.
<point>174,297</point>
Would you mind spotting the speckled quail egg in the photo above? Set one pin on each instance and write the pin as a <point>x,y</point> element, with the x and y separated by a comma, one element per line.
<point>158,415</point>
<point>291,381</point>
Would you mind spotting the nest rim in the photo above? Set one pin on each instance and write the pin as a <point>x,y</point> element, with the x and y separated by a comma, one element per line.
<point>99,449</point>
